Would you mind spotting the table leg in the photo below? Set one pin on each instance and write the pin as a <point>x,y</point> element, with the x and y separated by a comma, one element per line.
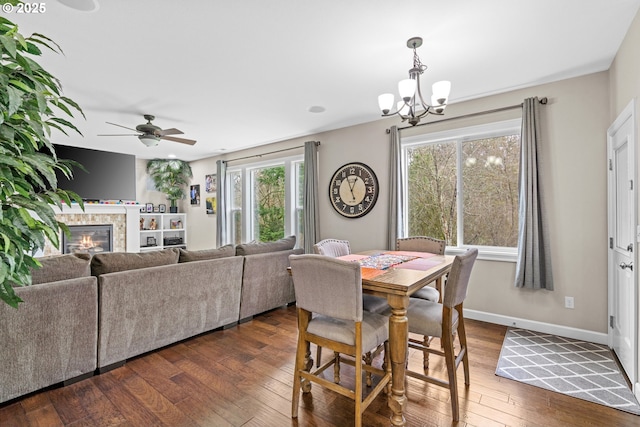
<point>398,346</point>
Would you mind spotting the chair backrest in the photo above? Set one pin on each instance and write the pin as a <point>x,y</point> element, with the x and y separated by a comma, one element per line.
<point>332,247</point>
<point>421,244</point>
<point>328,286</point>
<point>455,290</point>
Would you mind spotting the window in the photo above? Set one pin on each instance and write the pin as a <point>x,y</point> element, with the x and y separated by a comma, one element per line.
<point>265,201</point>
<point>462,186</point>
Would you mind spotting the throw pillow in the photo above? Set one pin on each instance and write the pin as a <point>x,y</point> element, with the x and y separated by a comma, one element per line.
<point>221,252</point>
<point>284,244</point>
<point>111,262</point>
<point>61,267</point>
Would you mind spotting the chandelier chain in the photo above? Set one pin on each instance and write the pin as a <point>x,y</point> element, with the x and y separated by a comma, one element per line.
<point>416,61</point>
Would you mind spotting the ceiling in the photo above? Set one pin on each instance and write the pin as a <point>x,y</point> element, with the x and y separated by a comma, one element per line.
<point>240,74</point>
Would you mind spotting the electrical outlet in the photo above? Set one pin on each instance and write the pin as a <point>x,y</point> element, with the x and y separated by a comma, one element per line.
<point>568,302</point>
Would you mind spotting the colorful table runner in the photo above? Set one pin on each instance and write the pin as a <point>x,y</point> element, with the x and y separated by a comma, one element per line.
<point>375,265</point>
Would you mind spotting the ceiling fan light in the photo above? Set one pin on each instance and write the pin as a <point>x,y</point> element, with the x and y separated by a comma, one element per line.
<point>149,140</point>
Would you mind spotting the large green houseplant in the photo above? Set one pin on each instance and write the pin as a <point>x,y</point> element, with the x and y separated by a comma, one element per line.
<point>31,102</point>
<point>170,177</point>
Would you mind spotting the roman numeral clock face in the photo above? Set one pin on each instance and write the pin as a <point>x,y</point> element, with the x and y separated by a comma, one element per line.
<point>353,190</point>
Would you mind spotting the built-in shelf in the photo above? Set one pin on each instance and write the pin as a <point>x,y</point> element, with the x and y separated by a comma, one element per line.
<point>161,231</point>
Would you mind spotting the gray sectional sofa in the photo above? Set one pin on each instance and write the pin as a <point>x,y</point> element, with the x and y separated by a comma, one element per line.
<point>85,314</point>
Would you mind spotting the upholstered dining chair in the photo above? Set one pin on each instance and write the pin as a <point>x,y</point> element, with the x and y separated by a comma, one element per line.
<point>445,320</point>
<point>332,247</point>
<point>330,314</point>
<point>337,248</point>
<point>423,244</point>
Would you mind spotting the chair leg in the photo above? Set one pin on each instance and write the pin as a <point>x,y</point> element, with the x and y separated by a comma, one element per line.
<point>336,368</point>
<point>425,354</point>
<point>450,358</point>
<point>318,356</point>
<point>358,392</point>
<point>367,360</point>
<point>462,337</point>
<point>299,366</point>
<point>386,366</point>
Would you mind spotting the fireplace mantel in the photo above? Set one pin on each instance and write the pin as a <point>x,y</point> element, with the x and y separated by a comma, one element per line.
<point>93,211</point>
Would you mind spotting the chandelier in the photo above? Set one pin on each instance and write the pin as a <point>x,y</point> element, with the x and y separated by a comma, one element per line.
<point>413,107</point>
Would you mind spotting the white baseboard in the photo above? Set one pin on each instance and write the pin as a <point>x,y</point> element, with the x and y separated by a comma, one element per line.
<point>547,328</point>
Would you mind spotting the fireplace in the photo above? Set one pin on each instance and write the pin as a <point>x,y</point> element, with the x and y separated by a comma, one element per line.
<point>88,239</point>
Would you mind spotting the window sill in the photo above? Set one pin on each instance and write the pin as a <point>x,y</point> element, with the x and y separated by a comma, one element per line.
<point>487,253</point>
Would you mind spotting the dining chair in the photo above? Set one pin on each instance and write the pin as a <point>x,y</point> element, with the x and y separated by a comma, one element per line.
<point>332,247</point>
<point>337,248</point>
<point>330,314</point>
<point>445,320</point>
<point>424,244</point>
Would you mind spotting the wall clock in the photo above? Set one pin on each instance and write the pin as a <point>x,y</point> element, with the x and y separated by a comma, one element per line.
<point>353,190</point>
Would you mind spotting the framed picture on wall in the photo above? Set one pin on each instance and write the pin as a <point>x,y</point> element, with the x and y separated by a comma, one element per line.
<point>195,194</point>
<point>211,183</point>
<point>211,205</point>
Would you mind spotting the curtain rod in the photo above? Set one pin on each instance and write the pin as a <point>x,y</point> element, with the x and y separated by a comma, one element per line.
<point>543,101</point>
<point>270,152</point>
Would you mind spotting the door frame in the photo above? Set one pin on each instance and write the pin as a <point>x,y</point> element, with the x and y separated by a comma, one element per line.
<point>629,113</point>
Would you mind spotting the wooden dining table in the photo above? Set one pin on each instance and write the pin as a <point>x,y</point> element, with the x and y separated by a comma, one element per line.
<point>397,283</point>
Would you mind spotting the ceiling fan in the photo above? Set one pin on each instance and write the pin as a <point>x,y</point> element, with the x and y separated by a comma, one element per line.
<point>150,134</point>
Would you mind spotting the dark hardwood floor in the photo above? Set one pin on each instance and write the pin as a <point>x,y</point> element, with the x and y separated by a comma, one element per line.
<point>242,376</point>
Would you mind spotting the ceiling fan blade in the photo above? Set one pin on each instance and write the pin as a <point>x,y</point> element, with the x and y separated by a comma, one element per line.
<point>135,130</point>
<point>119,134</point>
<point>180,140</point>
<point>172,131</point>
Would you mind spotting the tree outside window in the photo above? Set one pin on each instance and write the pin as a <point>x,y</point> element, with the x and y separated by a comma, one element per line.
<point>462,186</point>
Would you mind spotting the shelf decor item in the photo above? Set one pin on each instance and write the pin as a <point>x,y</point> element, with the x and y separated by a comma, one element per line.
<point>170,176</point>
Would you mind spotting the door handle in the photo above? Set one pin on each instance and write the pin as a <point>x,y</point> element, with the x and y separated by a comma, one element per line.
<point>627,265</point>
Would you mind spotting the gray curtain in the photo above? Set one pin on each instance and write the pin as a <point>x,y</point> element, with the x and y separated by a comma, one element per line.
<point>310,203</point>
<point>221,216</point>
<point>394,229</point>
<point>533,269</point>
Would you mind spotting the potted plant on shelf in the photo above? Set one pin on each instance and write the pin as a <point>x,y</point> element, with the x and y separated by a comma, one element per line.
<point>31,105</point>
<point>170,176</point>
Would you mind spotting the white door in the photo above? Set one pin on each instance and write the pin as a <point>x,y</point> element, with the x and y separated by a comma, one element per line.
<point>622,242</point>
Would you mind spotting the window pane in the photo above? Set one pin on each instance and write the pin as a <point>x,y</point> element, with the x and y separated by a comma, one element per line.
<point>432,191</point>
<point>490,187</point>
<point>268,203</point>
<point>235,178</point>
<point>299,226</point>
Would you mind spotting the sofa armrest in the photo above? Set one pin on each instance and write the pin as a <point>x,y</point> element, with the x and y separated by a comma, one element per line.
<point>50,338</point>
<point>266,283</point>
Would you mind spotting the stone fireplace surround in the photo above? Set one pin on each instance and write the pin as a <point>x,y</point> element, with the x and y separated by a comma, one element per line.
<point>124,218</point>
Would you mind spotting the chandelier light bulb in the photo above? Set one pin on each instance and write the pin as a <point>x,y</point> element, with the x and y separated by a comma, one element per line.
<point>441,91</point>
<point>407,89</point>
<point>385,102</point>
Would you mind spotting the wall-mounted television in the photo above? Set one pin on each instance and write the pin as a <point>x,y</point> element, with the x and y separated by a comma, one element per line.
<point>108,176</point>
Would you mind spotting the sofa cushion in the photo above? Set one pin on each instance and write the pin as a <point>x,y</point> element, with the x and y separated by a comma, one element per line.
<point>111,262</point>
<point>221,252</point>
<point>61,267</point>
<point>284,244</point>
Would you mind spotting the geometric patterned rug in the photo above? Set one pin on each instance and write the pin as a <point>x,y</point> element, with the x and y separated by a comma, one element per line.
<point>576,368</point>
